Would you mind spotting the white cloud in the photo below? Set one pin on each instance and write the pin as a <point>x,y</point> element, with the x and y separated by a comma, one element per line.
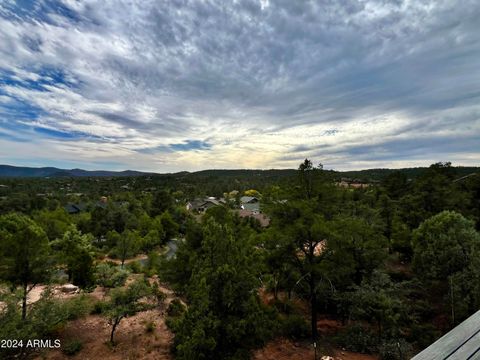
<point>259,81</point>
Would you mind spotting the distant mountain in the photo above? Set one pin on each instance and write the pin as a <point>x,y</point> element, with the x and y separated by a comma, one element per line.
<point>363,175</point>
<point>16,171</point>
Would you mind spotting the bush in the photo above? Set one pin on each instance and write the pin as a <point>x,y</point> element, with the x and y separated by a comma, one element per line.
<point>48,315</point>
<point>176,308</point>
<point>159,295</point>
<point>135,267</point>
<point>423,334</point>
<point>78,307</point>
<point>110,276</point>
<point>295,327</point>
<point>98,308</point>
<point>44,319</point>
<point>285,306</point>
<point>395,350</point>
<point>358,338</point>
<point>173,323</point>
<point>150,327</point>
<point>153,261</point>
<point>59,277</point>
<point>72,347</point>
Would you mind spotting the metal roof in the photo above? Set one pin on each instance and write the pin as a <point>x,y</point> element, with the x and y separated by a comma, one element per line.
<point>248,199</point>
<point>251,207</point>
<point>461,343</point>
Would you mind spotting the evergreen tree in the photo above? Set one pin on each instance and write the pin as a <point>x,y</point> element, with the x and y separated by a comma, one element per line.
<point>224,319</point>
<point>24,254</point>
<point>76,251</point>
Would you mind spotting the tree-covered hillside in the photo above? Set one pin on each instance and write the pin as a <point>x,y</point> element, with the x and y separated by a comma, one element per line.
<point>392,264</point>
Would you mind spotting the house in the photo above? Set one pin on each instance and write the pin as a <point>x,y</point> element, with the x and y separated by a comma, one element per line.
<point>354,184</point>
<point>74,208</point>
<point>255,207</point>
<point>250,203</point>
<point>75,194</point>
<point>249,200</point>
<point>102,203</point>
<point>202,205</point>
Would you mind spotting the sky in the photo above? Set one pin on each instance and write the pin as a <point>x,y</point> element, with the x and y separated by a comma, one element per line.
<point>179,85</point>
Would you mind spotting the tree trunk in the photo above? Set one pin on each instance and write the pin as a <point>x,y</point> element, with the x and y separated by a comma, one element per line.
<point>115,323</point>
<point>24,301</point>
<point>313,308</point>
<point>275,289</point>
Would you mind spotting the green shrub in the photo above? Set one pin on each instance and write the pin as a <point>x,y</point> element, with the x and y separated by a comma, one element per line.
<point>175,308</point>
<point>423,334</point>
<point>98,308</point>
<point>358,338</point>
<point>173,323</point>
<point>159,295</point>
<point>295,327</point>
<point>135,267</point>
<point>150,327</point>
<point>78,307</point>
<point>72,347</point>
<point>110,276</point>
<point>285,306</point>
<point>45,318</point>
<point>395,350</point>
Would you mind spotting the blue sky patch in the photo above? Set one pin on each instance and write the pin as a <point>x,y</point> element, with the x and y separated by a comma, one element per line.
<point>191,145</point>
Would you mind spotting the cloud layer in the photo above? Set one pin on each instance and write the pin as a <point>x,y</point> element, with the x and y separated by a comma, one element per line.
<point>186,85</point>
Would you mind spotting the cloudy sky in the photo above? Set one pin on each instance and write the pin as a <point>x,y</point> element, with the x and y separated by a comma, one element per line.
<point>187,85</point>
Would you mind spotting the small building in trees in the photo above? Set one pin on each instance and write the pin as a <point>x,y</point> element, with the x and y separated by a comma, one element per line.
<point>249,200</point>
<point>250,203</point>
<point>74,208</point>
<point>202,205</point>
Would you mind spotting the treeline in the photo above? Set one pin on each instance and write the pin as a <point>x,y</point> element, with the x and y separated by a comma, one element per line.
<point>410,173</point>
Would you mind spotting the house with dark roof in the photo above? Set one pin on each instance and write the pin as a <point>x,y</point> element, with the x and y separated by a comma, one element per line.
<point>74,208</point>
<point>250,203</point>
<point>202,205</point>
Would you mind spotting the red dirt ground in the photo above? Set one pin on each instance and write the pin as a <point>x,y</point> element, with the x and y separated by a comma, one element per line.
<point>131,338</point>
<point>284,349</point>
<point>134,342</point>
